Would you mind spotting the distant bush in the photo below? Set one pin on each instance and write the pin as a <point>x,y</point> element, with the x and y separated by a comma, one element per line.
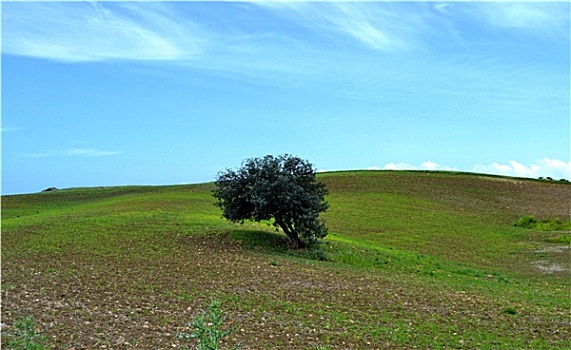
<point>528,221</point>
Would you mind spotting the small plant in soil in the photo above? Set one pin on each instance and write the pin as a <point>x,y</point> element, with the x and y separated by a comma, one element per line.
<point>509,311</point>
<point>23,336</point>
<point>208,328</point>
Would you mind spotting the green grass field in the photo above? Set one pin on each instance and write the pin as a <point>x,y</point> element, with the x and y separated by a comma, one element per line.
<point>413,260</point>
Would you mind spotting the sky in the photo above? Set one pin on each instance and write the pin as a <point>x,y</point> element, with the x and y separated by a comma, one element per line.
<point>154,93</point>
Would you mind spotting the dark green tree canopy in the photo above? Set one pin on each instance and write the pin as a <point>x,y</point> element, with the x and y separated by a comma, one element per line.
<point>283,188</point>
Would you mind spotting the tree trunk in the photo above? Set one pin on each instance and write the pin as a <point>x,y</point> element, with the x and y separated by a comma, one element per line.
<point>292,235</point>
<point>296,243</point>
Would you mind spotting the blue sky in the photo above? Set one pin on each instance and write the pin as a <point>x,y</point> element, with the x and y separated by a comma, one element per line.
<point>149,93</point>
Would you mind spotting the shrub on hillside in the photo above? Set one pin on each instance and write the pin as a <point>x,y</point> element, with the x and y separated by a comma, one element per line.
<point>528,221</point>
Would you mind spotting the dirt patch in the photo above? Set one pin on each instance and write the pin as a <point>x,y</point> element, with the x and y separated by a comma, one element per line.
<point>554,259</point>
<point>549,267</point>
<point>554,249</point>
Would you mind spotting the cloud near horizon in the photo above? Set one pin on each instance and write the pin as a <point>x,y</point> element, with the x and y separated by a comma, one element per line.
<point>545,167</point>
<point>428,165</point>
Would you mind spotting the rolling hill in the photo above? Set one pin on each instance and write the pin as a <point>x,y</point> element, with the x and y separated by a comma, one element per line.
<point>413,260</point>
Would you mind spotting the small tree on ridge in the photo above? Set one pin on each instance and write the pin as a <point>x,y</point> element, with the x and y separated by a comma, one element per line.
<point>282,188</point>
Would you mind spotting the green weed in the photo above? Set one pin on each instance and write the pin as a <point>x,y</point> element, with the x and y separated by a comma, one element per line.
<point>208,328</point>
<point>23,336</point>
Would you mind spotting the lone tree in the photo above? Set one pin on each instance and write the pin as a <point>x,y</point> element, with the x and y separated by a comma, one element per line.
<point>282,188</point>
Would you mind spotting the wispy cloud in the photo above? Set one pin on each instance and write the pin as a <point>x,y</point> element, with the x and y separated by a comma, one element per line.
<point>554,168</point>
<point>383,27</point>
<point>317,47</point>
<point>88,152</point>
<point>9,129</point>
<point>77,32</point>
<point>542,18</point>
<point>96,31</point>
<point>73,152</point>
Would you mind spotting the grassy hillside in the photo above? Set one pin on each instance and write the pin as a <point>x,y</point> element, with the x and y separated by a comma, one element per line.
<point>413,260</point>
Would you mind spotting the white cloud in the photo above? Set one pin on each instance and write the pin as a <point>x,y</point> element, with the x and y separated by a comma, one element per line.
<point>378,28</point>
<point>554,168</point>
<point>393,166</point>
<point>143,31</point>
<point>77,32</point>
<point>543,18</point>
<point>88,152</point>
<point>9,129</point>
<point>545,167</point>
<point>386,27</point>
<point>428,165</point>
<point>73,152</point>
<point>97,31</point>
